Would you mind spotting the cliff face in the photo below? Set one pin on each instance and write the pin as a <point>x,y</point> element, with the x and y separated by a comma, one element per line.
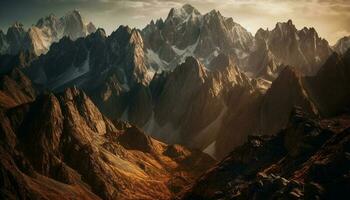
<point>61,146</point>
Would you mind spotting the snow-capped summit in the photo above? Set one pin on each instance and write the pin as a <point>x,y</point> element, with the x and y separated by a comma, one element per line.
<point>183,13</point>
<point>187,32</point>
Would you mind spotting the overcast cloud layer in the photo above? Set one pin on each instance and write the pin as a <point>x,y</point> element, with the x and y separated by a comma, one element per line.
<point>331,18</point>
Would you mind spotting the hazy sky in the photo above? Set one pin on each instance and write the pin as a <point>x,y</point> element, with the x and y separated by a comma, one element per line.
<point>331,18</point>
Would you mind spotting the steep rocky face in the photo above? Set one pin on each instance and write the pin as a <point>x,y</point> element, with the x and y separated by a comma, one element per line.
<point>186,32</point>
<point>285,92</point>
<point>203,92</point>
<point>16,38</point>
<point>3,43</point>
<point>15,89</point>
<point>68,149</point>
<point>330,87</point>
<point>242,119</point>
<point>252,112</point>
<point>48,30</point>
<point>297,163</point>
<point>342,45</point>
<point>286,45</point>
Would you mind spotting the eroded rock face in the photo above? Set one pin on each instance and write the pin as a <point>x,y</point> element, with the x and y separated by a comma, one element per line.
<point>61,146</point>
<point>297,163</point>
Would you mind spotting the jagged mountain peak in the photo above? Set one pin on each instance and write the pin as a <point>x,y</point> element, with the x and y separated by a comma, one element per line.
<point>135,36</point>
<point>261,33</point>
<point>73,16</point>
<point>190,9</point>
<point>189,33</point>
<point>214,12</point>
<point>71,93</point>
<point>73,13</point>
<point>122,29</point>
<point>286,45</point>
<point>214,15</point>
<point>121,34</point>
<point>287,91</point>
<point>190,71</point>
<point>287,23</point>
<point>50,29</point>
<point>17,25</point>
<point>285,27</point>
<point>47,21</point>
<point>309,29</point>
<point>342,45</point>
<point>126,34</point>
<point>100,32</point>
<point>91,28</point>
<point>182,13</point>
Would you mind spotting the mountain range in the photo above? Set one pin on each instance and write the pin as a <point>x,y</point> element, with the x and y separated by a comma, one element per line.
<point>141,109</point>
<point>38,38</point>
